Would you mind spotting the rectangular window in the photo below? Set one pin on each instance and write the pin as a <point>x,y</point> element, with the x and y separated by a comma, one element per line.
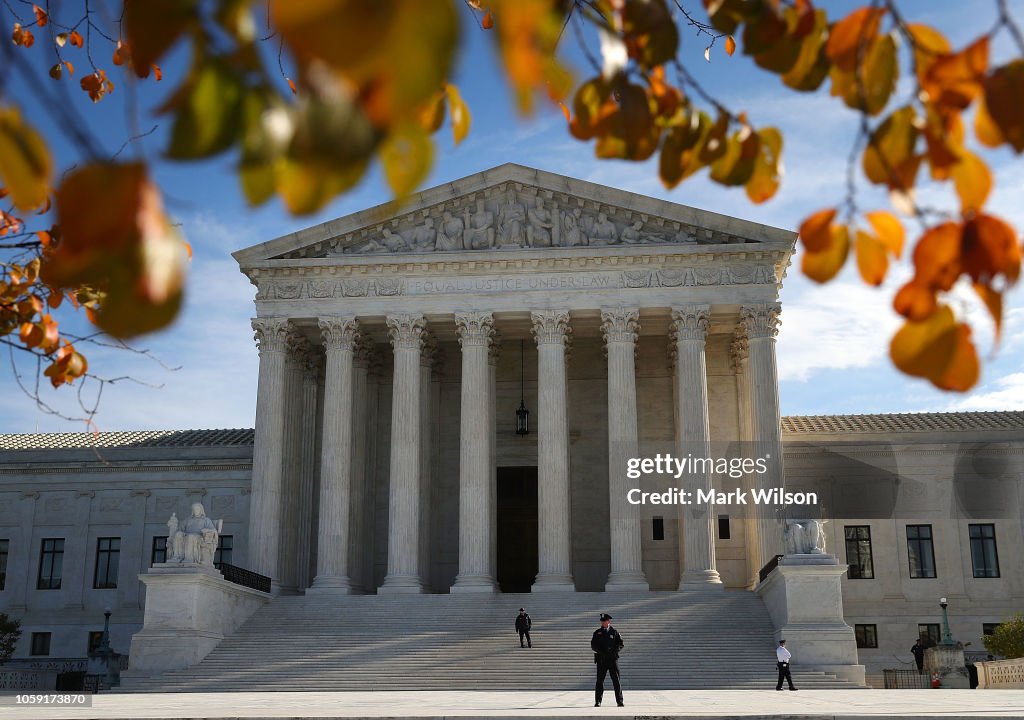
<point>108,551</point>
<point>159,553</point>
<point>223,552</point>
<point>659,528</point>
<point>4,548</point>
<point>95,638</point>
<point>867,635</point>
<point>40,643</point>
<point>724,531</point>
<point>929,633</point>
<point>989,628</point>
<point>984,557</point>
<point>921,551</point>
<point>51,560</point>
<point>858,552</point>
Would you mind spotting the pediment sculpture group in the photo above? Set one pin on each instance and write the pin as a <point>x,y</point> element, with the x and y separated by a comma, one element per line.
<point>512,224</point>
<point>193,540</point>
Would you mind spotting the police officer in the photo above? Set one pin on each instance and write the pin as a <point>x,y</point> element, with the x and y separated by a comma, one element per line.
<point>782,656</point>
<point>523,625</point>
<point>606,644</point>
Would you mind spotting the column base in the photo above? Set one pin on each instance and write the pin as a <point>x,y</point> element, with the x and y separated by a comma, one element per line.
<point>401,585</point>
<point>701,580</point>
<point>330,585</point>
<point>474,584</point>
<point>553,583</point>
<point>626,582</point>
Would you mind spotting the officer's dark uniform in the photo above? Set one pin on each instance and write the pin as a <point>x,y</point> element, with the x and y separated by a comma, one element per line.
<point>523,625</point>
<point>606,644</point>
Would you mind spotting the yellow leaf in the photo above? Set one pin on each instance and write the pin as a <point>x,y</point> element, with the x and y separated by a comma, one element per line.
<point>823,266</point>
<point>973,181</point>
<point>767,176</point>
<point>406,154</point>
<point>888,229</point>
<point>25,163</point>
<point>850,36</point>
<point>461,118</point>
<point>938,349</point>
<point>872,261</point>
<point>816,230</point>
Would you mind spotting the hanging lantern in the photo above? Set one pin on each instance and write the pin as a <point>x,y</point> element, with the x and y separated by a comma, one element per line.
<point>522,414</point>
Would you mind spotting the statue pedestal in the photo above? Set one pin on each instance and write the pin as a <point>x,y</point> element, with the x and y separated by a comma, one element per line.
<point>805,600</point>
<point>948,661</point>
<point>190,608</point>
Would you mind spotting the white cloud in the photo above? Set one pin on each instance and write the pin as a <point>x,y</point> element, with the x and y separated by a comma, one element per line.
<point>1005,393</point>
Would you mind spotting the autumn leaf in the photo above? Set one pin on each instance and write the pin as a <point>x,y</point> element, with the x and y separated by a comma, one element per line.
<point>97,84</point>
<point>824,265</point>
<point>815,231</point>
<point>954,80</point>
<point>890,158</point>
<point>872,259</point>
<point>75,39</point>
<point>406,155</point>
<point>207,118</point>
<point>851,35</point>
<point>973,182</point>
<point>888,229</point>
<point>938,349</point>
<point>461,118</point>
<point>25,163</point>
<point>730,45</point>
<point>41,16</point>
<point>1003,106</point>
<point>151,28</point>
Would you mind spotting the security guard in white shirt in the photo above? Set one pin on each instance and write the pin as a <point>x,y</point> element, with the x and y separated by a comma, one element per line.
<point>783,656</point>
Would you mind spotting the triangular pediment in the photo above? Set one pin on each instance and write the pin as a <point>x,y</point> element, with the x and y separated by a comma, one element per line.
<point>514,207</point>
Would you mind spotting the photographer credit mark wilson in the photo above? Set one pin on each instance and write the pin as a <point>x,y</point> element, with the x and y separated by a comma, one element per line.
<point>710,496</point>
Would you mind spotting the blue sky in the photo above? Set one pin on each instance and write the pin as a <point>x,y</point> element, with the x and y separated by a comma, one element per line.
<point>832,349</point>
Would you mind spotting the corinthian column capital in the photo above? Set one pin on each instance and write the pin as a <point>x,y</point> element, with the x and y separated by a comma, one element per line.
<point>339,333</point>
<point>271,334</point>
<point>761,320</point>
<point>551,327</point>
<point>690,322</point>
<point>474,328</point>
<point>620,324</point>
<point>406,331</point>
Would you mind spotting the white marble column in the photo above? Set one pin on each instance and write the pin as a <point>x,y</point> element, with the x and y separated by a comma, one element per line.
<point>360,482</point>
<point>738,352</point>
<point>620,327</point>
<point>493,353</point>
<point>476,573</point>
<point>265,502</point>
<point>693,437</point>
<point>291,463</point>
<point>339,337</point>
<point>310,463</point>
<point>76,553</point>
<point>554,532</point>
<point>406,333</point>
<point>428,357</point>
<point>761,323</point>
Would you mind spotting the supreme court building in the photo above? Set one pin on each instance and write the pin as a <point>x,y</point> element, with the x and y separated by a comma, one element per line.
<point>396,347</point>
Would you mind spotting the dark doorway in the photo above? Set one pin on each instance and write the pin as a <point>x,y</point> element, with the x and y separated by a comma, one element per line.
<point>517,528</point>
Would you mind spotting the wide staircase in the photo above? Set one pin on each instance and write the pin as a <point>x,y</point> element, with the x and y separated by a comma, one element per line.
<point>677,640</point>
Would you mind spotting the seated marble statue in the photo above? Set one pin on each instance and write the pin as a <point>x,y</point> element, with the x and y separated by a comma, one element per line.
<point>805,537</point>
<point>195,539</point>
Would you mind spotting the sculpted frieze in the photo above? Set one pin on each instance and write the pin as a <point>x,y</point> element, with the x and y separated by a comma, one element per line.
<point>514,216</point>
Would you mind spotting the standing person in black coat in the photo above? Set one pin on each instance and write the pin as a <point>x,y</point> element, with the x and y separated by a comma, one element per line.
<point>523,625</point>
<point>606,644</point>
<point>918,652</point>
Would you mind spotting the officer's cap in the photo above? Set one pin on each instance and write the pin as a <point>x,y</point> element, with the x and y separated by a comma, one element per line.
<point>605,616</point>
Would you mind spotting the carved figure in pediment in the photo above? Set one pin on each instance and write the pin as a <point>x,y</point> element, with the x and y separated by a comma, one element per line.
<point>423,236</point>
<point>479,228</point>
<point>603,232</point>
<point>632,235</point>
<point>511,218</point>
<point>543,228</point>
<point>449,235</point>
<point>573,234</point>
<point>388,242</point>
<point>684,237</point>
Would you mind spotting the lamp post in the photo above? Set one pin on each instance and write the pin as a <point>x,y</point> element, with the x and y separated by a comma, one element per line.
<point>522,414</point>
<point>947,636</point>
<point>104,648</point>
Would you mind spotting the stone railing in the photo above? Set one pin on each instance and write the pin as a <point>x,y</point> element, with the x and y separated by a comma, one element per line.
<point>1001,674</point>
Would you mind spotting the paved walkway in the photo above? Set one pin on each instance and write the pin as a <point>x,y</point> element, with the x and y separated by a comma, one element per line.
<point>663,704</point>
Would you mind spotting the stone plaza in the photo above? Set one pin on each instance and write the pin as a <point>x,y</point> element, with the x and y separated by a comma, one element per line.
<point>448,395</point>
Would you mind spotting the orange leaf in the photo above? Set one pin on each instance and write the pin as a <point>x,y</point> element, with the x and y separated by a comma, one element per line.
<point>872,260</point>
<point>75,39</point>
<point>158,74</point>
<point>41,17</point>
<point>730,45</point>
<point>565,111</point>
<point>937,261</point>
<point>954,80</point>
<point>70,67</point>
<point>851,35</point>
<point>973,181</point>
<point>823,266</point>
<point>889,230</point>
<point>291,84</point>
<point>915,301</point>
<point>488,21</point>
<point>938,349</point>
<point>990,248</point>
<point>929,44</point>
<point>814,231</point>
<point>1002,100</point>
